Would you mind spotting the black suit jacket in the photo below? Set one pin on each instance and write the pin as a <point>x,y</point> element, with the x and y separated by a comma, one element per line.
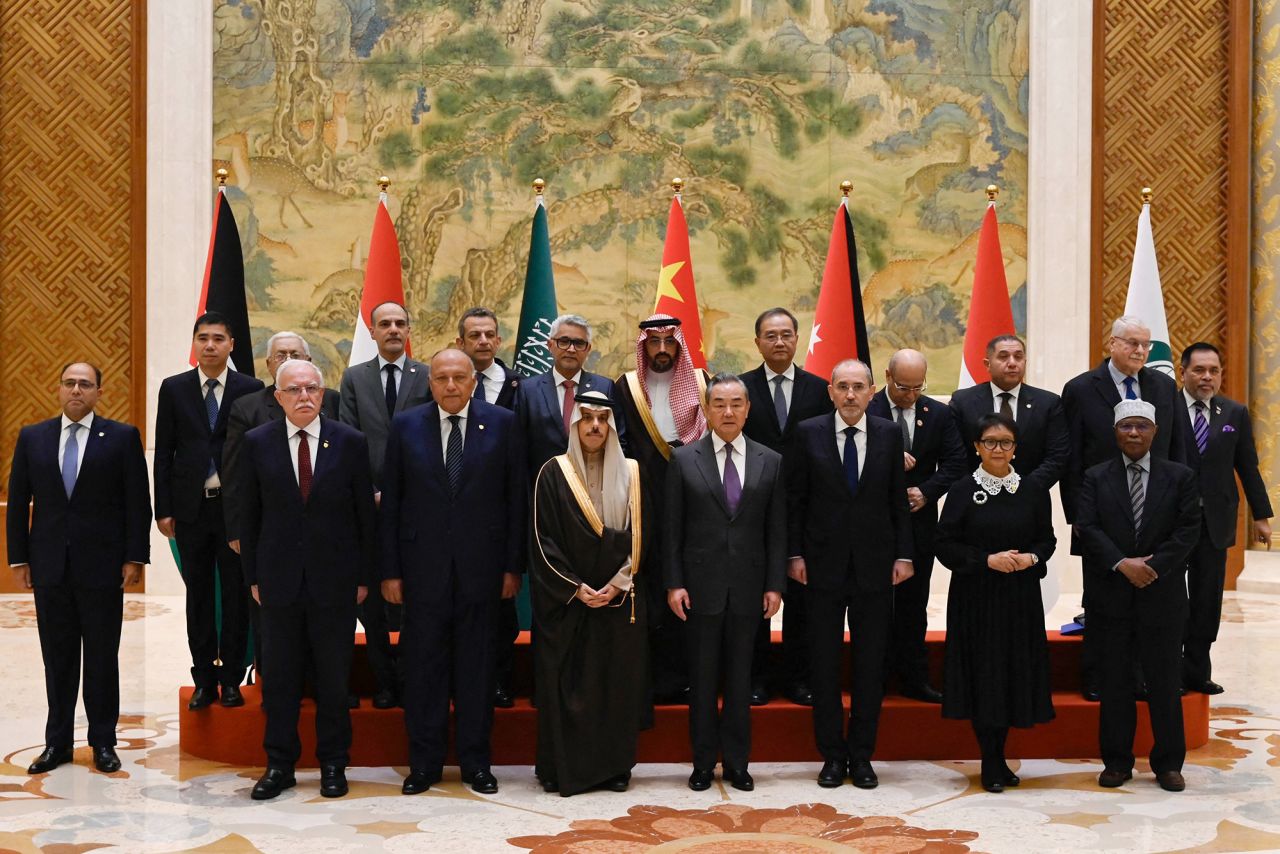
<point>541,419</point>
<point>184,442</point>
<point>940,459</point>
<point>1170,527</point>
<point>509,392</point>
<point>321,549</point>
<point>253,410</point>
<point>1229,451</point>
<point>809,398</point>
<point>726,562</point>
<point>1044,444</point>
<point>847,540</point>
<point>86,539</point>
<point>1089,401</point>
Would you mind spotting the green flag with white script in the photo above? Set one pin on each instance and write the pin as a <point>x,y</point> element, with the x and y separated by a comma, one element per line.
<point>539,306</point>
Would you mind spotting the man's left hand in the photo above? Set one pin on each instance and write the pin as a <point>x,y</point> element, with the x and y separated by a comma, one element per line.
<point>1262,531</point>
<point>361,593</point>
<point>510,585</point>
<point>902,570</point>
<point>772,602</point>
<point>129,574</point>
<point>915,498</point>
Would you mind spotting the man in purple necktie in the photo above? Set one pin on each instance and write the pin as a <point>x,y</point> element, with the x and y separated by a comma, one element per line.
<point>724,565</point>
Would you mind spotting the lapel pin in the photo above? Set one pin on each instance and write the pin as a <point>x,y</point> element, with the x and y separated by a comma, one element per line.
<point>101,434</point>
<point>1217,410</point>
<point>324,444</point>
<point>925,408</point>
<point>515,383</point>
<point>919,423</point>
<point>479,426</point>
<point>413,370</point>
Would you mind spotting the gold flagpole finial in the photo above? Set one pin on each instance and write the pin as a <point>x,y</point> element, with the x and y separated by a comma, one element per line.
<point>383,183</point>
<point>221,175</point>
<point>846,187</point>
<point>538,186</point>
<point>1146,195</point>
<point>992,192</point>
<point>677,185</point>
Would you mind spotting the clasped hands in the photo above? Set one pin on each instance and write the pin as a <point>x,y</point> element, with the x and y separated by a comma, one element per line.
<point>1010,560</point>
<point>1137,571</point>
<point>596,598</point>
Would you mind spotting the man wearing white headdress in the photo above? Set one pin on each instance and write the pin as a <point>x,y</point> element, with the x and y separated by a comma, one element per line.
<point>591,657</point>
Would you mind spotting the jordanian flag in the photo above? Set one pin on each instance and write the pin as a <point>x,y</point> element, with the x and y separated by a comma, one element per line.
<point>1146,299</point>
<point>538,308</point>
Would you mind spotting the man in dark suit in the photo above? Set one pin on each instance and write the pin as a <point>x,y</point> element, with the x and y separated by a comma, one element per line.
<point>1138,520</point>
<point>849,535</point>
<point>191,428</point>
<point>310,549</point>
<point>725,561</point>
<point>453,533</point>
<point>782,394</point>
<point>1044,444</point>
<point>933,459</point>
<point>1219,446</point>
<point>86,540</point>
<point>1089,401</point>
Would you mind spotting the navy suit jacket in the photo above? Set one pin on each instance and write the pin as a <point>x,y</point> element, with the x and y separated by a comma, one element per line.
<point>429,534</point>
<point>184,442</point>
<point>1228,451</point>
<point>320,549</point>
<point>1044,445</point>
<point>510,390</point>
<point>86,539</point>
<point>936,446</point>
<point>542,421</point>
<point>847,540</point>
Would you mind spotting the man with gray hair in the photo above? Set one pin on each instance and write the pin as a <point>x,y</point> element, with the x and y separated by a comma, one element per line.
<point>1089,401</point>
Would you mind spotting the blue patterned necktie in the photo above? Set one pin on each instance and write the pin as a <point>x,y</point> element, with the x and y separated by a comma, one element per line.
<point>453,454</point>
<point>1201,428</point>
<point>70,456</point>
<point>211,410</point>
<point>478,394</point>
<point>1129,393</point>
<point>780,402</point>
<point>732,482</point>
<point>851,459</point>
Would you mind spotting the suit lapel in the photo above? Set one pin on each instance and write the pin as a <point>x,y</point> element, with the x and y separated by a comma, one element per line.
<point>431,437</point>
<point>755,470</point>
<point>1105,387</point>
<point>379,396</point>
<point>705,451</point>
<point>411,379</point>
<point>834,463</point>
<point>195,392</point>
<point>323,456</point>
<point>93,438</point>
<point>1119,482</point>
<point>474,440</point>
<point>549,397</point>
<point>284,453</point>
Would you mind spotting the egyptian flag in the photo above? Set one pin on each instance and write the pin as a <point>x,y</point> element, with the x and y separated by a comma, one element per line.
<point>839,324</point>
<point>990,313</point>
<point>223,288</point>
<point>383,282</point>
<point>676,294</point>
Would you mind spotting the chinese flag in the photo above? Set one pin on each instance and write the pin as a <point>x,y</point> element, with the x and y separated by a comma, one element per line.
<point>676,294</point>
<point>839,325</point>
<point>990,313</point>
<point>382,283</point>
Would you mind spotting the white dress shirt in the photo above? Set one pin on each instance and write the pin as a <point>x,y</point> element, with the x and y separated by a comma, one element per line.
<point>82,439</point>
<point>1119,378</point>
<point>659,388</point>
<point>788,382</point>
<point>859,439</point>
<point>560,389</point>
<point>213,481</point>
<point>493,377</point>
<point>1191,409</point>
<point>311,435</point>
<point>399,374</point>
<point>446,426</point>
<point>739,456</point>
<point>996,391</point>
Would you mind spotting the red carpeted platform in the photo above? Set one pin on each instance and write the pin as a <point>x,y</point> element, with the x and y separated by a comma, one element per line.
<point>782,731</point>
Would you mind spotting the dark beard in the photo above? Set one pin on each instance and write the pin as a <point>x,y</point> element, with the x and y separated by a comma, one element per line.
<point>662,370</point>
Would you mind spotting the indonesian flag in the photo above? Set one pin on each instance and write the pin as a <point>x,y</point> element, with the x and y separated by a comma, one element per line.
<point>676,294</point>
<point>223,287</point>
<point>382,283</point>
<point>990,313</point>
<point>839,324</point>
<point>1146,298</point>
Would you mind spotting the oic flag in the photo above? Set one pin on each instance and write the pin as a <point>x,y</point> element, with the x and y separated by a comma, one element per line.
<point>538,308</point>
<point>839,324</point>
<point>223,287</point>
<point>382,283</point>
<point>990,313</point>
<point>1146,298</point>
<point>676,294</point>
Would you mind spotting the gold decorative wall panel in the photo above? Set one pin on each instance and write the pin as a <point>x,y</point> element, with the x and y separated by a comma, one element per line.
<point>1264,342</point>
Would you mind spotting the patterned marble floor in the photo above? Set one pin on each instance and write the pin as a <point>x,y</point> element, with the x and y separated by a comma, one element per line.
<point>163,801</point>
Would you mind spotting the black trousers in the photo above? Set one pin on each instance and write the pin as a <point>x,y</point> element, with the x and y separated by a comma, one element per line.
<point>909,656</point>
<point>506,631</point>
<point>1157,648</point>
<point>869,625</point>
<point>795,633</point>
<point>293,636</point>
<point>448,636</point>
<point>667,643</point>
<point>216,656</point>
<point>71,619</point>
<point>377,640</point>
<point>720,645</point>
<point>1206,574</point>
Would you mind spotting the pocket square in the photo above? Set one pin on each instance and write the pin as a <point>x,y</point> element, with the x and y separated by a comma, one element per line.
<point>1227,428</point>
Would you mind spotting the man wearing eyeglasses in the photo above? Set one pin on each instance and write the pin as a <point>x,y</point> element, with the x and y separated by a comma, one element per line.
<point>782,394</point>
<point>1088,401</point>
<point>84,541</point>
<point>309,545</point>
<point>933,459</point>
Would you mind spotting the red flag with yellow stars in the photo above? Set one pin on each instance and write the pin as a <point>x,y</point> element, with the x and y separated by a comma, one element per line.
<point>676,294</point>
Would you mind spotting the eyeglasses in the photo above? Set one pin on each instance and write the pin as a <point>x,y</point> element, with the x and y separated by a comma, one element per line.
<point>295,390</point>
<point>856,388</point>
<point>1002,444</point>
<point>286,356</point>
<point>83,385</point>
<point>564,342</point>
<point>1133,343</point>
<point>775,337</point>
<point>911,389</point>
<point>1135,427</point>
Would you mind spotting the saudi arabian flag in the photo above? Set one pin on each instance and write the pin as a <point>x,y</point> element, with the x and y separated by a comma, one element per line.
<point>1146,299</point>
<point>539,306</point>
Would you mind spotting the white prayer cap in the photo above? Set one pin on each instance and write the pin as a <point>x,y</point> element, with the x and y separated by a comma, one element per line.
<point>1134,409</point>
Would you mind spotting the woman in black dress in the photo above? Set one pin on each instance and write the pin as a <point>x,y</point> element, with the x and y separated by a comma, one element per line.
<point>995,535</point>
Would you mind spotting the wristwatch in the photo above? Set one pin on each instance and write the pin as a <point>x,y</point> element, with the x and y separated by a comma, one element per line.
<point>1034,559</point>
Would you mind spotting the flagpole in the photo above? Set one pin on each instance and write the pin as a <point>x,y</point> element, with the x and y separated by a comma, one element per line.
<point>992,192</point>
<point>221,175</point>
<point>539,186</point>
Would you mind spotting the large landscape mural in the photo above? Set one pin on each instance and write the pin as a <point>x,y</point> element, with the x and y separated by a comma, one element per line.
<point>761,107</point>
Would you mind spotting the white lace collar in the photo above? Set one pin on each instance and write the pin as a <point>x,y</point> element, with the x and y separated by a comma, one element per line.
<point>992,484</point>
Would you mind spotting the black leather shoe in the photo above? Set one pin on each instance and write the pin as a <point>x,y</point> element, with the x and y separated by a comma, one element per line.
<point>418,782</point>
<point>481,781</point>
<point>740,780</point>
<point>924,692</point>
<point>800,695</point>
<point>231,696</point>
<point>678,697</point>
<point>550,785</point>
<point>272,783</point>
<point>1091,694</point>
<point>385,699</point>
<point>201,698</point>
<point>833,773</point>
<point>1109,779</point>
<point>1208,686</point>
<point>51,758</point>
<point>1010,779</point>
<point>502,698</point>
<point>864,776</point>
<point>619,783</point>
<point>759,695</point>
<point>701,778</point>
<point>333,781</point>
<point>992,785</point>
<point>1171,781</point>
<point>105,760</point>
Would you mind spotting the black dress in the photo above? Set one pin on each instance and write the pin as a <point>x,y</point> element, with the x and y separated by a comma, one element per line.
<point>997,655</point>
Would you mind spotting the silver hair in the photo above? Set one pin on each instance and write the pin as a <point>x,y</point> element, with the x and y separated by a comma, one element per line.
<point>848,363</point>
<point>572,320</point>
<point>1127,321</point>
<point>271,342</point>
<point>290,363</point>
<point>723,378</point>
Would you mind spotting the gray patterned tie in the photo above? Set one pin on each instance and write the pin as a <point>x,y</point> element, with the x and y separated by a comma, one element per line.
<point>1137,495</point>
<point>905,427</point>
<point>780,402</point>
